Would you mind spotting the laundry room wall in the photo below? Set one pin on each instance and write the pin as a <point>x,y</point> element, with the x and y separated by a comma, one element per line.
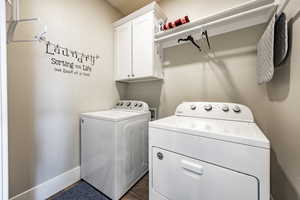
<point>44,104</point>
<point>230,76</point>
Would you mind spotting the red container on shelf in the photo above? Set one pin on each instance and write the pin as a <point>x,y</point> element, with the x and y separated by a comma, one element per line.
<point>176,23</point>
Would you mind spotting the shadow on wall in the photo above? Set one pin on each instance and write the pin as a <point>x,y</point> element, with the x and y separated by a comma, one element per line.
<point>206,62</point>
<point>121,87</point>
<point>225,77</point>
<point>203,69</point>
<point>23,145</point>
<point>226,47</point>
<point>149,92</point>
<point>283,189</point>
<point>278,89</point>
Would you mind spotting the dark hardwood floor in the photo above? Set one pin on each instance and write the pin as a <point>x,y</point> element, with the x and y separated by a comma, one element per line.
<point>140,191</point>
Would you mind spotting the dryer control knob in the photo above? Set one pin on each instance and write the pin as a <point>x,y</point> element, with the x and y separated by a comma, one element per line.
<point>135,105</point>
<point>225,108</point>
<point>128,104</point>
<point>160,156</point>
<point>193,107</point>
<point>140,105</point>
<point>208,107</point>
<point>236,109</point>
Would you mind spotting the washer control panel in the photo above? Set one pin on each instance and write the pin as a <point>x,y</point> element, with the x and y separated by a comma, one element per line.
<point>132,106</point>
<point>213,110</point>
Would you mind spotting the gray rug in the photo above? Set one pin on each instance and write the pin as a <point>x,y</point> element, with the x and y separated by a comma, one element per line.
<point>81,191</point>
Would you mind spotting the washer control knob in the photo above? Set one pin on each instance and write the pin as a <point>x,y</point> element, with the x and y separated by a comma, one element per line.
<point>193,107</point>
<point>208,107</point>
<point>225,108</point>
<point>118,104</point>
<point>128,104</point>
<point>141,105</point>
<point>135,105</point>
<point>121,104</point>
<point>236,109</point>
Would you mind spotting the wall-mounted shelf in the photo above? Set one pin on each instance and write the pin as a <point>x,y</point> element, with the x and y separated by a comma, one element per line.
<point>249,14</point>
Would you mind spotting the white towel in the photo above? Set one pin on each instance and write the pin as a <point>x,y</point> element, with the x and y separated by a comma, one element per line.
<point>265,54</point>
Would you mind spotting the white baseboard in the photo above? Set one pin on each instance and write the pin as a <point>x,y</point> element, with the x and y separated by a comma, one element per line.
<point>51,186</point>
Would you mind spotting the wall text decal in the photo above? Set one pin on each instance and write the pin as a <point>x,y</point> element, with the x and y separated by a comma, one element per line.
<point>68,61</point>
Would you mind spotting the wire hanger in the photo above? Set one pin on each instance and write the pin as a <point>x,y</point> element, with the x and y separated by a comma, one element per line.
<point>191,39</point>
<point>205,34</point>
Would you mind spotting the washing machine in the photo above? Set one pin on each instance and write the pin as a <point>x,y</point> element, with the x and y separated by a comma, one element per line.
<point>114,147</point>
<point>208,151</point>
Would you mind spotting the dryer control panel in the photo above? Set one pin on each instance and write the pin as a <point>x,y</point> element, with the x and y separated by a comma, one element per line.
<point>138,106</point>
<point>213,110</point>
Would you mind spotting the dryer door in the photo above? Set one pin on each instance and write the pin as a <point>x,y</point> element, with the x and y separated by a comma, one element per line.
<point>176,177</point>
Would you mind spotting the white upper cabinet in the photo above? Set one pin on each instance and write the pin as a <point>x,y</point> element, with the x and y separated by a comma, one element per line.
<point>136,55</point>
<point>123,51</point>
<point>143,46</point>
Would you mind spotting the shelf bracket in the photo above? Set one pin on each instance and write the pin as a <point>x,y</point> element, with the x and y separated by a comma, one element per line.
<point>159,51</point>
<point>12,29</point>
<point>15,20</point>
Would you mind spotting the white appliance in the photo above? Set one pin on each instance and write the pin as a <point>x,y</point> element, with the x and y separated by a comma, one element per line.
<point>209,151</point>
<point>114,147</point>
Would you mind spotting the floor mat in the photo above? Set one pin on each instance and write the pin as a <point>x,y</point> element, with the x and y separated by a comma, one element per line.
<point>80,191</point>
<point>84,191</point>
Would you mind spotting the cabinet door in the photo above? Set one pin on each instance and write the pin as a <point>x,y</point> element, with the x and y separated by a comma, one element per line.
<point>123,51</point>
<point>143,43</point>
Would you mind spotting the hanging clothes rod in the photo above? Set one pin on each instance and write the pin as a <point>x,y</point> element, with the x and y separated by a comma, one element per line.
<point>249,14</point>
<point>23,20</point>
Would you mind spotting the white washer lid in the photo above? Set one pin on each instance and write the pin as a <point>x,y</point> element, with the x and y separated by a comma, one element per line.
<point>247,133</point>
<point>112,115</point>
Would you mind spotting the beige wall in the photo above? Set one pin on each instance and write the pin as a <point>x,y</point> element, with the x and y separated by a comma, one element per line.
<point>44,105</point>
<point>127,7</point>
<point>230,76</point>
